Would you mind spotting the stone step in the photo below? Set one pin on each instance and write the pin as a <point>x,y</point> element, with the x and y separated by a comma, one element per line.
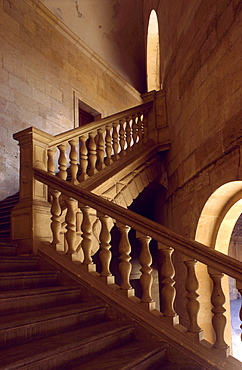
<point>58,350</point>
<point>6,249</point>
<point>5,236</point>
<point>18,263</point>
<point>12,200</point>
<point>136,355</point>
<point>20,328</point>
<point>27,279</point>
<point>17,301</point>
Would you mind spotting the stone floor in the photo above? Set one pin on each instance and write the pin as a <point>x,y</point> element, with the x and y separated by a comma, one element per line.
<point>236,331</point>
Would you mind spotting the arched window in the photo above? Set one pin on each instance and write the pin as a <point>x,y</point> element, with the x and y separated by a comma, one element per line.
<point>153,54</point>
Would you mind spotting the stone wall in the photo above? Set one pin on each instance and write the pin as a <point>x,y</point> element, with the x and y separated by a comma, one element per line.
<point>42,64</point>
<point>112,28</point>
<point>201,71</point>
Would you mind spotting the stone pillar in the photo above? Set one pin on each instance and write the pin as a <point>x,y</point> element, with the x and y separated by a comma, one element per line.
<point>30,218</point>
<point>157,123</point>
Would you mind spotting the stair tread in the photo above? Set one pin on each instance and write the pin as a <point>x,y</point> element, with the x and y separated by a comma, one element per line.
<point>52,346</point>
<point>21,319</point>
<point>124,357</point>
<point>27,273</point>
<point>18,258</point>
<point>3,244</point>
<point>37,291</point>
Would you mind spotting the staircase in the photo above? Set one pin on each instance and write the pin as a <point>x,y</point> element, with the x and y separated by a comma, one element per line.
<point>48,325</point>
<point>5,216</point>
<point>69,184</point>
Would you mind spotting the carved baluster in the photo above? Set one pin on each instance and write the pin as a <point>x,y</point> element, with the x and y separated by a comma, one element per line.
<point>128,133</point>
<point>145,125</point>
<point>55,218</point>
<point>218,300</point>
<point>167,290</point>
<point>115,141</point>
<point>239,287</point>
<point>86,228</point>
<point>83,158</point>
<point>105,237</point>
<point>51,162</point>
<point>92,149</point>
<point>74,161</point>
<point>192,305</point>
<point>121,138</point>
<point>140,127</point>
<point>70,219</point>
<point>62,161</point>
<point>100,150</point>
<point>108,142</point>
<point>124,250</point>
<point>145,260</point>
<point>134,130</point>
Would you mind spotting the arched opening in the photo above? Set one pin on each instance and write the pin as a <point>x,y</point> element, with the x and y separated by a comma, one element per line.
<point>215,227</point>
<point>153,54</point>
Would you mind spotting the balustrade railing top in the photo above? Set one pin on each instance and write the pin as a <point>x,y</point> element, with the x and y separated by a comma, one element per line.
<point>190,248</point>
<point>126,115</point>
<point>168,241</point>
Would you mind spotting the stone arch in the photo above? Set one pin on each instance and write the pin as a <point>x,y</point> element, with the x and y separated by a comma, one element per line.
<point>214,229</point>
<point>153,53</point>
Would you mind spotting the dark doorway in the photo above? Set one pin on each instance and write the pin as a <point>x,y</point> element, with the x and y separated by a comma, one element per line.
<point>84,117</point>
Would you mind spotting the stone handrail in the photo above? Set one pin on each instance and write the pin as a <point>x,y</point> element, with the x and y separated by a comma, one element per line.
<point>188,247</point>
<point>114,118</point>
<point>80,155</point>
<point>168,241</point>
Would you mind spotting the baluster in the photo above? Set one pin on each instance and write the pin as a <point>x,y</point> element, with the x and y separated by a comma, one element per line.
<point>70,219</point>
<point>83,158</point>
<point>86,228</point>
<point>218,320</point>
<point>124,250</point>
<point>167,290</point>
<point>62,161</point>
<point>145,260</point>
<point>51,163</point>
<point>145,124</point>
<point>115,141</point>
<point>128,133</point>
<point>74,161</point>
<point>239,287</point>
<point>55,218</point>
<point>92,149</point>
<point>100,150</point>
<point>192,305</point>
<point>105,254</point>
<point>108,140</point>
<point>121,138</point>
<point>134,130</point>
<point>140,128</point>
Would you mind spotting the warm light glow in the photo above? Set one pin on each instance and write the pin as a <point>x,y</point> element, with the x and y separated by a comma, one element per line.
<point>214,229</point>
<point>153,54</point>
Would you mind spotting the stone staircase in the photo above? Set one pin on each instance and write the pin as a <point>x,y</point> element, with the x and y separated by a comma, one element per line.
<point>46,324</point>
<point>6,206</point>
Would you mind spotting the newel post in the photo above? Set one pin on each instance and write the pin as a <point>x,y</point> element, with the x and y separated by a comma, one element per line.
<point>157,118</point>
<point>30,218</point>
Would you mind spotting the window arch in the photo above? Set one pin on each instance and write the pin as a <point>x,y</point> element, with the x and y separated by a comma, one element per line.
<point>153,53</point>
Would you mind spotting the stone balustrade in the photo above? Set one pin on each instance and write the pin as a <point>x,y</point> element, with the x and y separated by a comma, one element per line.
<point>107,212</point>
<point>55,208</point>
<point>81,153</point>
